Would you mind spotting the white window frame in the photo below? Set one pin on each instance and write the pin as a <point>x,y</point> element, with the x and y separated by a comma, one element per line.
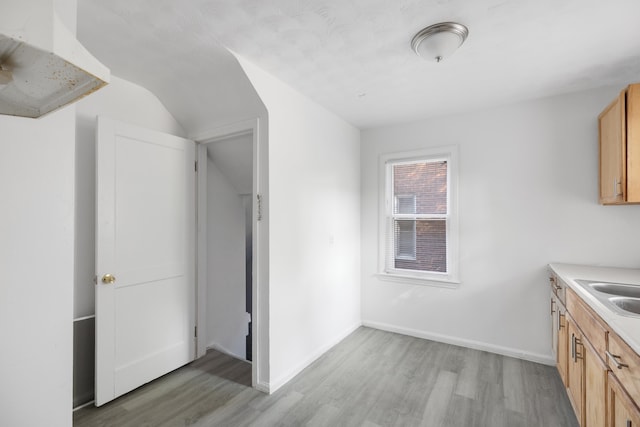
<point>451,277</point>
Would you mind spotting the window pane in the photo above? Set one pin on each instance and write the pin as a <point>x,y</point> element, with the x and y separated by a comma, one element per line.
<point>426,181</point>
<point>405,204</point>
<point>430,246</point>
<point>405,239</point>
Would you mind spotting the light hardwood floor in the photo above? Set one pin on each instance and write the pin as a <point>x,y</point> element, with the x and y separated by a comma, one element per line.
<point>372,378</point>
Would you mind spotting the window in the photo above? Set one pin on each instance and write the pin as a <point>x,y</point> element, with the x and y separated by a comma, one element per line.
<point>419,221</point>
<point>405,242</point>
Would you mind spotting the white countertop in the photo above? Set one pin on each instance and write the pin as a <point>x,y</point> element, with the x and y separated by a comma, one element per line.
<point>627,327</point>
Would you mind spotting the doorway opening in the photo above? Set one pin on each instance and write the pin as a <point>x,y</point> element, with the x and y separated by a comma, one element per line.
<point>228,218</point>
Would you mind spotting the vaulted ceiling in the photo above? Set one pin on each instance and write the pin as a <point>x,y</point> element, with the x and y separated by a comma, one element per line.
<point>354,56</point>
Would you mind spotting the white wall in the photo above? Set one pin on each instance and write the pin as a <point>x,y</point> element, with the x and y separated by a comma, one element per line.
<point>226,312</point>
<point>127,102</point>
<point>234,158</point>
<point>314,227</point>
<point>36,263</point>
<point>528,197</point>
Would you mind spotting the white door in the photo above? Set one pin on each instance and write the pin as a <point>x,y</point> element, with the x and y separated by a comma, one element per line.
<point>145,256</point>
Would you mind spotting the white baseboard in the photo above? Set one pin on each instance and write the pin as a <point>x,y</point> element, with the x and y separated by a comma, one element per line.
<point>222,349</point>
<point>84,405</point>
<point>545,359</point>
<point>263,387</point>
<point>283,379</point>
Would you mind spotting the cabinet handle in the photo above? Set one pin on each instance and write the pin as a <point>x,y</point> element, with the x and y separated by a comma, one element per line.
<point>575,342</point>
<point>560,316</point>
<point>554,284</point>
<point>628,423</point>
<point>614,358</point>
<point>578,355</point>
<point>616,183</point>
<point>573,347</point>
<point>552,310</point>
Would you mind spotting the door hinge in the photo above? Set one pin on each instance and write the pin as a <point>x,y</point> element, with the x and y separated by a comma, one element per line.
<point>259,216</point>
<point>195,331</point>
<point>195,166</point>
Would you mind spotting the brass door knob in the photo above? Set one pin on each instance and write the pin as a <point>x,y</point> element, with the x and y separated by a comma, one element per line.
<point>108,279</point>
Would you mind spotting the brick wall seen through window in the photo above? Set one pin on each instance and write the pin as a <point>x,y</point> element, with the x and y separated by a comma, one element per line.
<point>425,182</point>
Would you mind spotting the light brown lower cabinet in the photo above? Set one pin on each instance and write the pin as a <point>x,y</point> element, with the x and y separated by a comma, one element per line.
<point>600,371</point>
<point>622,411</point>
<point>559,340</point>
<point>575,371</point>
<point>554,323</point>
<point>595,387</point>
<point>587,379</point>
<point>563,344</point>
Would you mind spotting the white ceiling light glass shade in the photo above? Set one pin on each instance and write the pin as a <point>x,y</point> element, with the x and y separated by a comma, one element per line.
<point>42,65</point>
<point>439,41</point>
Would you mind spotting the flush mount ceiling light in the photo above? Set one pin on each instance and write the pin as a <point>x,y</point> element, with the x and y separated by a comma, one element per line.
<point>439,41</point>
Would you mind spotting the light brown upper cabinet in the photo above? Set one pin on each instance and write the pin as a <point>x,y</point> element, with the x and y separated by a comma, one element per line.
<point>619,129</point>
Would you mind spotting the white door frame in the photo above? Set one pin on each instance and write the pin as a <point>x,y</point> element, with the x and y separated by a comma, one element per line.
<point>217,134</point>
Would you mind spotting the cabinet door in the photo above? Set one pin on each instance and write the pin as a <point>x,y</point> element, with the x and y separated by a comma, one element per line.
<point>612,129</point>
<point>622,411</point>
<point>554,324</point>
<point>595,387</point>
<point>625,363</point>
<point>575,371</point>
<point>563,344</point>
<point>633,144</point>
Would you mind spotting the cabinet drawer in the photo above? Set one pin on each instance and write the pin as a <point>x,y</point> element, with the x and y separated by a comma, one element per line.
<point>593,329</point>
<point>558,287</point>
<point>625,364</point>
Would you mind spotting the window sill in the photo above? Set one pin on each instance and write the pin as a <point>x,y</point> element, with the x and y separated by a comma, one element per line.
<point>423,281</point>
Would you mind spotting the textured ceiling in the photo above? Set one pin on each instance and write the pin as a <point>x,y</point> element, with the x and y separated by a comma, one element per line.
<point>167,47</point>
<point>353,56</point>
